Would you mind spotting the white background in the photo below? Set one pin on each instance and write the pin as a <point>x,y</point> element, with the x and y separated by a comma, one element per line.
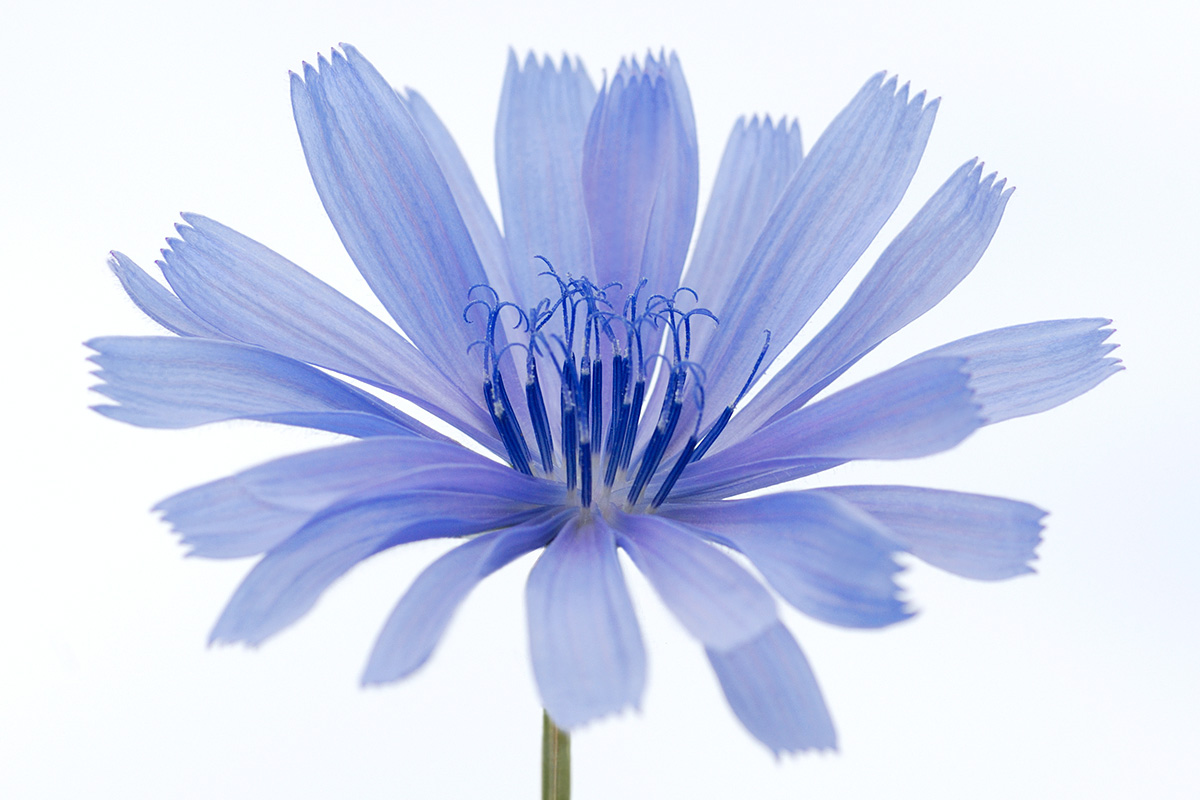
<point>1080,681</point>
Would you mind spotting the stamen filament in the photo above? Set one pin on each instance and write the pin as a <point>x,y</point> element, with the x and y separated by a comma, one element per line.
<point>539,417</point>
<point>570,429</point>
<point>585,473</point>
<point>659,439</point>
<point>630,423</point>
<point>504,426</point>
<point>620,382</point>
<point>517,433</point>
<point>727,413</point>
<point>685,458</point>
<point>597,399</point>
<point>713,432</point>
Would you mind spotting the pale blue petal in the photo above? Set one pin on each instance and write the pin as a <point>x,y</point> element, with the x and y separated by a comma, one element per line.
<point>587,651</point>
<point>1030,368</point>
<point>290,578</point>
<point>164,382</point>
<point>771,688</point>
<point>640,176</point>
<point>759,160</point>
<point>420,618</point>
<point>539,156</point>
<point>157,302</point>
<point>912,410</point>
<point>987,538</point>
<point>673,217</point>
<point>718,602</point>
<point>822,554</point>
<point>475,212</point>
<point>835,204</point>
<point>713,479</point>
<point>254,295</point>
<point>915,409</point>
<point>224,519</point>
<point>391,205</point>
<point>920,267</point>
<point>254,510</point>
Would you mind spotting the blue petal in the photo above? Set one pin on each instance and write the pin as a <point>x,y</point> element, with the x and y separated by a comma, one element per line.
<point>252,511</point>
<point>718,602</point>
<point>759,160</point>
<point>1030,368</point>
<point>706,481</point>
<point>823,555</point>
<point>920,267</point>
<point>539,155</point>
<point>420,618</point>
<point>224,519</point>
<point>475,212</point>
<point>640,176</point>
<point>587,650</point>
<point>906,412</point>
<point>164,382</point>
<point>290,578</point>
<point>987,538</point>
<point>391,205</point>
<point>771,688</point>
<point>252,294</point>
<point>157,302</point>
<point>835,204</point>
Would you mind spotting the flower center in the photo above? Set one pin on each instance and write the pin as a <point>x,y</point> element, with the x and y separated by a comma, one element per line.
<point>598,431</point>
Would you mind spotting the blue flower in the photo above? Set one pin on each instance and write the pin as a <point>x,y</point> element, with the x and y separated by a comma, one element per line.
<point>602,386</point>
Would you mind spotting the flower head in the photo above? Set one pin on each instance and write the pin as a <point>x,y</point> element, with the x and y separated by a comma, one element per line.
<point>608,382</point>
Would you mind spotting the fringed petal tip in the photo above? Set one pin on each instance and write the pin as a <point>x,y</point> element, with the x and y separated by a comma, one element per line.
<point>1027,369</point>
<point>157,301</point>
<point>782,750</point>
<point>546,63</point>
<point>170,382</point>
<point>772,690</point>
<point>375,171</point>
<point>216,639</point>
<point>973,536</point>
<point>640,176</point>
<point>888,83</point>
<point>574,724</point>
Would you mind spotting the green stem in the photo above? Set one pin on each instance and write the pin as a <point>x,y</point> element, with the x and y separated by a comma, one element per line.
<point>556,761</point>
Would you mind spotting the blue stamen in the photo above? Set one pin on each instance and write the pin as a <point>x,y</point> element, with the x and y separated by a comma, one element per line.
<point>501,394</point>
<point>657,446</point>
<point>585,473</point>
<point>597,398</point>
<point>620,383</point>
<point>570,427</point>
<point>687,327</point>
<point>630,422</point>
<point>727,413</point>
<point>504,423</point>
<point>582,390</point>
<point>539,417</point>
<point>685,458</point>
<point>714,432</point>
<point>583,394</point>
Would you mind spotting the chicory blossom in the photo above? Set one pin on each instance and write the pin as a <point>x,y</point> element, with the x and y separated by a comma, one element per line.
<point>610,383</point>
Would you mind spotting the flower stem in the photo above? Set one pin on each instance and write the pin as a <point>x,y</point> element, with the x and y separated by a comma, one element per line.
<point>556,761</point>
